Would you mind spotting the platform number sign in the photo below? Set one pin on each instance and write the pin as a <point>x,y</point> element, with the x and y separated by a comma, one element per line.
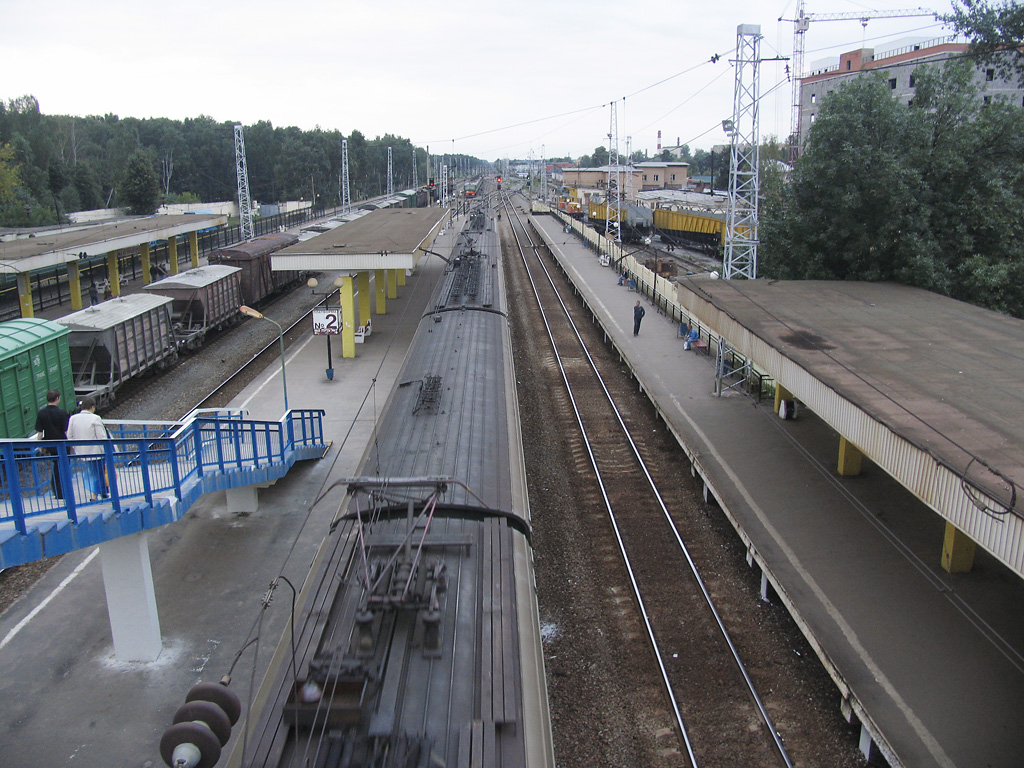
<point>326,322</point>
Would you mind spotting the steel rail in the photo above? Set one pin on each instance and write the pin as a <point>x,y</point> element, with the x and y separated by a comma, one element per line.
<point>780,748</point>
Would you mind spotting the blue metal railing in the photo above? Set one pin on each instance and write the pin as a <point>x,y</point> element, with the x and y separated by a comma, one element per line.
<point>53,480</point>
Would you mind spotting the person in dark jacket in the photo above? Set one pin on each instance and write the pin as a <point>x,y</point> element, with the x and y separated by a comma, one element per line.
<point>52,424</point>
<point>638,315</point>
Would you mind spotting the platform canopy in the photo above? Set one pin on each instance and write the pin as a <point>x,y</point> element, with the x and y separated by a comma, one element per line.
<point>929,388</point>
<point>60,247</point>
<point>393,238</point>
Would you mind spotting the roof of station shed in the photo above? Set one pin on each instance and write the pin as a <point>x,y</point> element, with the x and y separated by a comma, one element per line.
<point>392,238</point>
<point>941,374</point>
<point>52,248</point>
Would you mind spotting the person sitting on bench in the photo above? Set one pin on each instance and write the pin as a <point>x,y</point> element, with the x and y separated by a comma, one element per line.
<point>691,337</point>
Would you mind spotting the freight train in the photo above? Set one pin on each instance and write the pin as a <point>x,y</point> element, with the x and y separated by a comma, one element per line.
<point>101,347</point>
<point>415,640</point>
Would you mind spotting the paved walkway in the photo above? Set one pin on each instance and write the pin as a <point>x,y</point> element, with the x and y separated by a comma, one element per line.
<point>934,663</point>
<point>67,701</point>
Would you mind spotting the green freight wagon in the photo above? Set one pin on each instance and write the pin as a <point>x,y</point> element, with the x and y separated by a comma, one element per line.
<point>34,358</point>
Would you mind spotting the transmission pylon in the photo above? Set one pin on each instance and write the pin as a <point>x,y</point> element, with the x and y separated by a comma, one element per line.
<point>415,171</point>
<point>744,182</point>
<point>444,184</point>
<point>242,176</point>
<point>346,198</point>
<point>391,180</point>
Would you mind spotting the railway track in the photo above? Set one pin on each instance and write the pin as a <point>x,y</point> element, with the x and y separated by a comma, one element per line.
<point>718,714</point>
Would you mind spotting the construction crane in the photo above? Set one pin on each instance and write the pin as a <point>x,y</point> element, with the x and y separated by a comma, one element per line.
<point>800,25</point>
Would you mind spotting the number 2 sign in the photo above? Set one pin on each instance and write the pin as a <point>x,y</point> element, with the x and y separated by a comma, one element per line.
<point>326,322</point>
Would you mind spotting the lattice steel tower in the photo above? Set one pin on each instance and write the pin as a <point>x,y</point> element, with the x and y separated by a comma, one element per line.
<point>744,182</point>
<point>614,180</point>
<point>415,174</point>
<point>242,176</point>
<point>346,197</point>
<point>391,178</point>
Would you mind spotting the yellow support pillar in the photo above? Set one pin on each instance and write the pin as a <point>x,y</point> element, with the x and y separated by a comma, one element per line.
<point>363,288</point>
<point>147,267</point>
<point>114,274</point>
<point>193,247</point>
<point>75,285</point>
<point>392,284</point>
<point>172,253</point>
<point>348,330</point>
<point>849,458</point>
<point>401,277</point>
<point>25,294</point>
<point>957,551</point>
<point>781,393</point>
<point>380,285</point>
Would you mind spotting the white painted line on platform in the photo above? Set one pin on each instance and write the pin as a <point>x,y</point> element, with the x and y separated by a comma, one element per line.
<point>272,376</point>
<point>35,611</point>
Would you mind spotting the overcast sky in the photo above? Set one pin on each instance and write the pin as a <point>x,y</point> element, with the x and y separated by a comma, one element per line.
<point>482,78</point>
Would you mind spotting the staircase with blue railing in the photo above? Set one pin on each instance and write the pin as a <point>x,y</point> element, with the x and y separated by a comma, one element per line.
<point>153,473</point>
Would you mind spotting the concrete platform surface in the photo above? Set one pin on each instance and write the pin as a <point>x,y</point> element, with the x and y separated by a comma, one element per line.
<point>933,663</point>
<point>67,701</point>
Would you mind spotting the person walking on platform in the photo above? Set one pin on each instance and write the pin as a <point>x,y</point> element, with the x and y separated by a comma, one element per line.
<point>52,424</point>
<point>87,425</point>
<point>638,315</point>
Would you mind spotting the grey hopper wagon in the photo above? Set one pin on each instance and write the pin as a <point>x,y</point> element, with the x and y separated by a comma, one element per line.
<point>204,299</point>
<point>118,340</point>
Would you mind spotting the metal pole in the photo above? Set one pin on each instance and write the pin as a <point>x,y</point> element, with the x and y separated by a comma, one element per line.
<point>284,379</point>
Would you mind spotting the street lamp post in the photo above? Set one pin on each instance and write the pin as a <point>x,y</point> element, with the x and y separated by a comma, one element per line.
<point>338,283</point>
<point>250,312</point>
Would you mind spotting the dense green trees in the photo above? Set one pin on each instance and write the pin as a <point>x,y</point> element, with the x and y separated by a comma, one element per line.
<point>52,162</point>
<point>930,195</point>
<point>140,191</point>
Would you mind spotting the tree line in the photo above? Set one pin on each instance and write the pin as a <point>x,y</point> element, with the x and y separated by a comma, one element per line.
<point>53,165</point>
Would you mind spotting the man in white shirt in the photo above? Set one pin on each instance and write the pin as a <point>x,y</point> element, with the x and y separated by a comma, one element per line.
<point>87,425</point>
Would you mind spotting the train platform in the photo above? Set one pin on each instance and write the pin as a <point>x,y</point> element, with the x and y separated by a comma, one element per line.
<point>930,664</point>
<point>69,701</point>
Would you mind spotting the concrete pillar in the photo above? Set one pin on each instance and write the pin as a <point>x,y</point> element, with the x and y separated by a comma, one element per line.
<point>363,289</point>
<point>348,329</point>
<point>244,499</point>
<point>147,276</point>
<point>400,273</point>
<point>114,273</point>
<point>781,393</point>
<point>75,285</point>
<point>25,294</point>
<point>849,458</point>
<point>193,247</point>
<point>172,253</point>
<point>380,286</point>
<point>957,551</point>
<point>131,601</point>
<point>392,284</point>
